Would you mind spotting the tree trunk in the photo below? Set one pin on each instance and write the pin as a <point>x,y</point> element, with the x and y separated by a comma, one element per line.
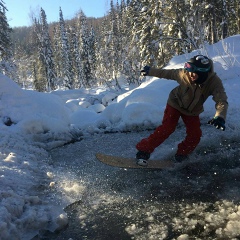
<point>224,21</point>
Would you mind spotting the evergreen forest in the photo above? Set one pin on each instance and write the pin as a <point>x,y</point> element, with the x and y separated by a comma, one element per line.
<point>83,52</point>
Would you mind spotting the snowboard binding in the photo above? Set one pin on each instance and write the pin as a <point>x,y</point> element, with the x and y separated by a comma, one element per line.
<point>142,162</point>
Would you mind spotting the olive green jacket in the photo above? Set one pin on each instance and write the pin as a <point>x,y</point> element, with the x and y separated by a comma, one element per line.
<point>189,98</point>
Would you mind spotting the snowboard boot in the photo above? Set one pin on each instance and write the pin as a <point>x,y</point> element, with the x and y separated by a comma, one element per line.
<point>142,158</point>
<point>180,158</point>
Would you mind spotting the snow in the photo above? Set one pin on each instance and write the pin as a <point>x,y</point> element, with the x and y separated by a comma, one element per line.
<point>43,121</point>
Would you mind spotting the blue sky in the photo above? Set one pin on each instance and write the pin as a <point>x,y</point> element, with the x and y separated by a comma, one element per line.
<point>19,11</point>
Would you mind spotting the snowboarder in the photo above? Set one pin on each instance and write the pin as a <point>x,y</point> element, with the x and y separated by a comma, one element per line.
<point>197,81</point>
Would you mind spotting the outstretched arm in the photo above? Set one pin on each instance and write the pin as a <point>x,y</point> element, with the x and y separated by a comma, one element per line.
<point>173,74</point>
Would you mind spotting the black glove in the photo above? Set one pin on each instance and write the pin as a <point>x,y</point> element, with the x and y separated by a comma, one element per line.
<point>145,70</point>
<point>218,122</point>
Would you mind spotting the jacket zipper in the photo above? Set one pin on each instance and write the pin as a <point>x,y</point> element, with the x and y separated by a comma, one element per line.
<point>192,98</point>
<point>183,95</point>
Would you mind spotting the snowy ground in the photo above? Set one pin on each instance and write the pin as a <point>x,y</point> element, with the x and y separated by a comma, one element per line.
<point>35,186</point>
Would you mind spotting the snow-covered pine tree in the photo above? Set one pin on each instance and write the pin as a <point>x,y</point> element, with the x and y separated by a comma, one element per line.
<point>66,67</point>
<point>7,65</point>
<point>130,55</point>
<point>224,19</point>
<point>34,72</point>
<point>46,53</point>
<point>76,57</point>
<point>236,10</point>
<point>44,77</point>
<point>123,33</point>
<point>38,67</point>
<point>133,12</point>
<point>5,40</point>
<point>103,67</point>
<point>218,15</point>
<point>146,29</point>
<point>92,55</point>
<point>142,41</point>
<point>57,51</point>
<point>84,50</point>
<point>178,35</point>
<point>39,77</point>
<point>233,16</point>
<point>161,29</point>
<point>209,15</point>
<point>114,44</point>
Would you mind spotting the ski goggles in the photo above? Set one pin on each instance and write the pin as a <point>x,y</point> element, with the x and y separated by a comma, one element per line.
<point>192,68</point>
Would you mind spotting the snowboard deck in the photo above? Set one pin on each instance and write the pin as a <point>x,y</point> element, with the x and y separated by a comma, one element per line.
<point>123,162</point>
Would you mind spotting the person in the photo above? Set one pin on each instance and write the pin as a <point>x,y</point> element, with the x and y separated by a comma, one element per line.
<point>197,81</point>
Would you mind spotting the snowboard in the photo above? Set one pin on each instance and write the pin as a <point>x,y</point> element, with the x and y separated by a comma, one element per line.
<point>123,162</point>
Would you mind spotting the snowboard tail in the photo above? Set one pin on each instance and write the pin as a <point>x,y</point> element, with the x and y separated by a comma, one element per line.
<point>123,162</point>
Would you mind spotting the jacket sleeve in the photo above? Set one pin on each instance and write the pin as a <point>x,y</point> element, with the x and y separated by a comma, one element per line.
<point>220,98</point>
<point>173,74</point>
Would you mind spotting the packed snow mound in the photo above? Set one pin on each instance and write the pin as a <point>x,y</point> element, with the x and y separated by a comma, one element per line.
<point>33,112</point>
<point>109,98</point>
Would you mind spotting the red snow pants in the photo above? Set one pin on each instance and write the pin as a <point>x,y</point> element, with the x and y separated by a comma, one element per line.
<point>169,123</point>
